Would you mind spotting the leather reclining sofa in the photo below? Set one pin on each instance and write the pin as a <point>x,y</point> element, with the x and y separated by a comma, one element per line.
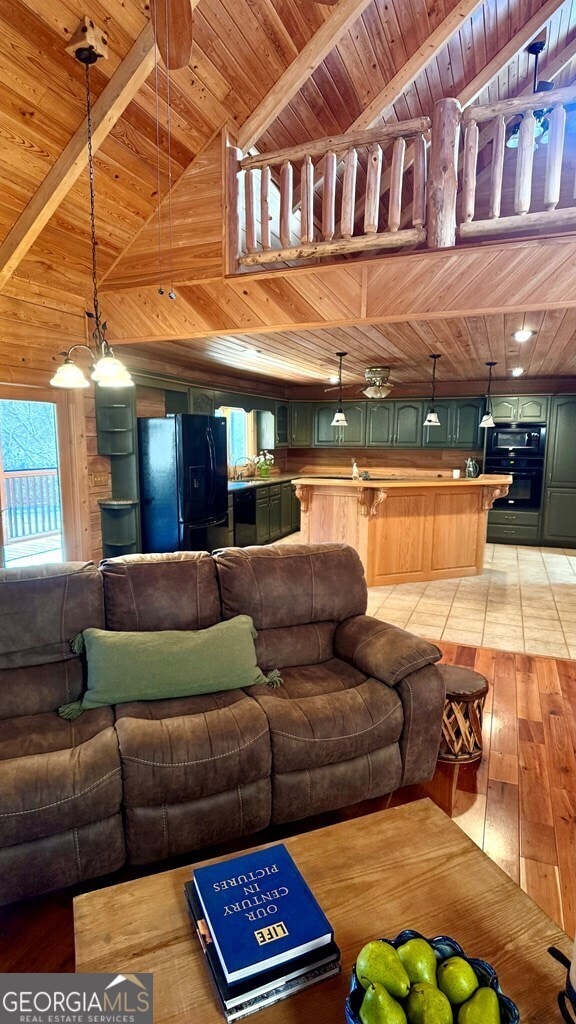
<point>358,713</point>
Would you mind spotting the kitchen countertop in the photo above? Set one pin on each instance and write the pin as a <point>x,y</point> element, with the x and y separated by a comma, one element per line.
<point>484,480</point>
<point>258,481</point>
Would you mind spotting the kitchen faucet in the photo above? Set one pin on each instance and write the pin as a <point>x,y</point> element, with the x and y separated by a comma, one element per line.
<point>236,473</point>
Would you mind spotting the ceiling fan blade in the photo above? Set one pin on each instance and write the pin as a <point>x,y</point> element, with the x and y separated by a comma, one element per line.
<point>172,24</point>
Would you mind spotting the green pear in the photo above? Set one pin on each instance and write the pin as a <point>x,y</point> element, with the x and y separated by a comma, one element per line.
<point>378,1006</point>
<point>379,961</point>
<point>456,979</point>
<point>427,1005</point>
<point>419,960</point>
<point>482,1008</point>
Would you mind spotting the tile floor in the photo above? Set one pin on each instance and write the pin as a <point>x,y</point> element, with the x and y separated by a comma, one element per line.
<point>525,601</point>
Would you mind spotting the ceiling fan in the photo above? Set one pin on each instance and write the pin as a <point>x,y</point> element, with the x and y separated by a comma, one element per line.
<point>377,383</point>
<point>542,124</point>
<point>172,24</point>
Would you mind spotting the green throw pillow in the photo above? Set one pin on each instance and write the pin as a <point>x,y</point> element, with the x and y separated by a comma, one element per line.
<point>170,663</point>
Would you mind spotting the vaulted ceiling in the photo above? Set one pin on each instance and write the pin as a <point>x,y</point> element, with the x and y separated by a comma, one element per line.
<point>279,72</point>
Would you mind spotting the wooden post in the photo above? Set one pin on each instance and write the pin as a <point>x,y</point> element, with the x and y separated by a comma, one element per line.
<point>286,179</point>
<point>443,178</point>
<point>307,207</point>
<point>232,215</point>
<point>470,162</point>
<point>523,189</point>
<point>265,207</point>
<point>373,175</point>
<point>419,203</point>
<point>497,174</point>
<point>329,197</point>
<point>250,211</point>
<point>348,194</point>
<point>396,178</point>
<point>554,158</point>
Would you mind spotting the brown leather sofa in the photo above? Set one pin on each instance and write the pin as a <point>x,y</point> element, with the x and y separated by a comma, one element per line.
<point>358,713</point>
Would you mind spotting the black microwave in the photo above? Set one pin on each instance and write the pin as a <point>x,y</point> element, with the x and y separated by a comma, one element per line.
<point>529,439</point>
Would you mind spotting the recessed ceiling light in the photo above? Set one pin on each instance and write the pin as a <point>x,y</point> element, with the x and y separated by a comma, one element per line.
<point>252,351</point>
<point>523,335</point>
<point>333,380</point>
<point>517,371</point>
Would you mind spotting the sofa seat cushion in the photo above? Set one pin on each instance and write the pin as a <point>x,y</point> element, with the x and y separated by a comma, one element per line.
<point>324,714</point>
<point>57,775</point>
<point>191,747</point>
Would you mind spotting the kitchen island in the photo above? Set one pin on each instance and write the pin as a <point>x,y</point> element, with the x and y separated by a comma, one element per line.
<point>405,529</point>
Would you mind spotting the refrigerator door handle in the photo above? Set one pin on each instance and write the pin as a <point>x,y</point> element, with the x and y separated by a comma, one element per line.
<point>212,458</point>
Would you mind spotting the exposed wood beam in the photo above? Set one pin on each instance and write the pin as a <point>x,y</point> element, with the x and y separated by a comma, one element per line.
<point>324,40</point>
<point>108,108</point>
<point>417,63</point>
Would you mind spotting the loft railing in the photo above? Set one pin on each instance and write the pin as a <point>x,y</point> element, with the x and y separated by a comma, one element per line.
<point>525,184</point>
<point>467,183</point>
<point>31,504</point>
<point>329,212</point>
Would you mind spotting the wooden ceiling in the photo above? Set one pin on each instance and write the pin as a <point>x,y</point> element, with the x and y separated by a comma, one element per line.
<point>280,72</point>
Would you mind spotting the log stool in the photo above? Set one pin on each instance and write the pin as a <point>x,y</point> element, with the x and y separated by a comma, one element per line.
<point>466,691</point>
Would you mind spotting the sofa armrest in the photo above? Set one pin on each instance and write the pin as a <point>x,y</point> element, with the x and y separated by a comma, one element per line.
<point>422,694</point>
<point>382,650</point>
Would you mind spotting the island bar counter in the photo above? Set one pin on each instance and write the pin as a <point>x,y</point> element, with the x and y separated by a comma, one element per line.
<point>405,530</point>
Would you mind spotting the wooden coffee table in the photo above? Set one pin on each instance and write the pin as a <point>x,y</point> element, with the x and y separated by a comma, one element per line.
<point>408,867</point>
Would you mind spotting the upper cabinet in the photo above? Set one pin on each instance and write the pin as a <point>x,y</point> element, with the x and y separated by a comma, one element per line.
<point>301,415</point>
<point>396,424</point>
<point>520,409</point>
<point>351,436</point>
<point>202,401</point>
<point>459,424</point>
<point>281,424</point>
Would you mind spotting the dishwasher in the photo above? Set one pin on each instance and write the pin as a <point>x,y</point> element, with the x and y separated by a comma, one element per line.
<point>245,518</point>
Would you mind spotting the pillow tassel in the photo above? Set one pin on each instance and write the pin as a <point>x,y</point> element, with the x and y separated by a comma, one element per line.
<point>274,679</point>
<point>71,711</point>
<point>78,644</point>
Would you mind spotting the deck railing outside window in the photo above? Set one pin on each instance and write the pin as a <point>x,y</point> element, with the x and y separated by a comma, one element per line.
<point>31,504</point>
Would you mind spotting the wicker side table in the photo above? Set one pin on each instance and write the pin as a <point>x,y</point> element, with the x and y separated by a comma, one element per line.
<point>466,691</point>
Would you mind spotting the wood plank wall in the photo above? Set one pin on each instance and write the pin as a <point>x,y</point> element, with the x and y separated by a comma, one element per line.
<point>316,460</point>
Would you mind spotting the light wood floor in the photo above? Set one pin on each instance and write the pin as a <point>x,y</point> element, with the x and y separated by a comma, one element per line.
<point>519,806</point>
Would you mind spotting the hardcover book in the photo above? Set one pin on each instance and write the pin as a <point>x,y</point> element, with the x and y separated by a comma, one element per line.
<point>241,998</point>
<point>260,912</point>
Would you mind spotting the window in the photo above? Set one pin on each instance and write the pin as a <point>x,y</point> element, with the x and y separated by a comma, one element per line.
<point>240,434</point>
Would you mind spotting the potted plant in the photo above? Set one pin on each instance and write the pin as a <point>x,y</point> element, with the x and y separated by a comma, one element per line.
<point>263,462</point>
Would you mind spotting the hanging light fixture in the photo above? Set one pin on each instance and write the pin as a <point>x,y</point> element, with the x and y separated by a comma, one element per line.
<point>339,419</point>
<point>377,382</point>
<point>542,125</point>
<point>432,416</point>
<point>487,419</point>
<point>107,371</point>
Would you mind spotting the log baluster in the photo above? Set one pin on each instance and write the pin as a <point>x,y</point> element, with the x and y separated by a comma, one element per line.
<point>286,190</point>
<point>396,179</point>
<point>329,197</point>
<point>443,179</point>
<point>419,202</point>
<point>470,164</point>
<point>265,207</point>
<point>523,189</point>
<point>497,172</point>
<point>348,194</point>
<point>250,211</point>
<point>372,206</point>
<point>307,206</point>
<point>554,156</point>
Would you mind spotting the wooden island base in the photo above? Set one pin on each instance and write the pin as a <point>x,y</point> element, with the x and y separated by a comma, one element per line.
<point>404,530</point>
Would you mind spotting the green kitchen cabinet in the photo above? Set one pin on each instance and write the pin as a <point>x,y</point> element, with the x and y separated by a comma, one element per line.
<point>351,436</point>
<point>465,428</point>
<point>559,525</point>
<point>282,424</point>
<point>560,462</point>
<point>301,418</point>
<point>440,436</point>
<point>262,516</point>
<point>504,409</point>
<point>275,511</point>
<point>286,507</point>
<point>533,408</point>
<point>380,424</point>
<point>408,417</point>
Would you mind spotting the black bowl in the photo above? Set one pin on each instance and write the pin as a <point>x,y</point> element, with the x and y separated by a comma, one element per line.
<point>443,946</point>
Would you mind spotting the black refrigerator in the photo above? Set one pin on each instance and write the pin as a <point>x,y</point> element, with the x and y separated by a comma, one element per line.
<point>183,481</point>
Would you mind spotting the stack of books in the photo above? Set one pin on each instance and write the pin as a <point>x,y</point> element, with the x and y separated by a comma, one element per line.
<point>263,933</point>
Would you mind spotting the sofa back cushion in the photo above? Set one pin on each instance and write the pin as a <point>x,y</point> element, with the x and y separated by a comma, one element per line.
<point>41,609</point>
<point>166,591</point>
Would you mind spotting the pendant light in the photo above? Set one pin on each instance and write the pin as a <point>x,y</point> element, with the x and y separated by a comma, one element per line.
<point>339,419</point>
<point>107,371</point>
<point>432,416</point>
<point>487,420</point>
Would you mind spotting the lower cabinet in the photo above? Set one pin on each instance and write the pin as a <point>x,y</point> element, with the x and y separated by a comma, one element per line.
<point>559,526</point>
<point>264,514</point>
<point>508,527</point>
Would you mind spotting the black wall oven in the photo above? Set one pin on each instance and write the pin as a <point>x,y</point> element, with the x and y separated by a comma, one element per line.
<point>510,439</point>
<point>525,491</point>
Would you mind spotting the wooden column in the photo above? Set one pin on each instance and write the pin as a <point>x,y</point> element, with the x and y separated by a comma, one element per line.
<point>497,174</point>
<point>419,203</point>
<point>554,158</point>
<point>286,189</point>
<point>232,212</point>
<point>443,178</point>
<point>265,207</point>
